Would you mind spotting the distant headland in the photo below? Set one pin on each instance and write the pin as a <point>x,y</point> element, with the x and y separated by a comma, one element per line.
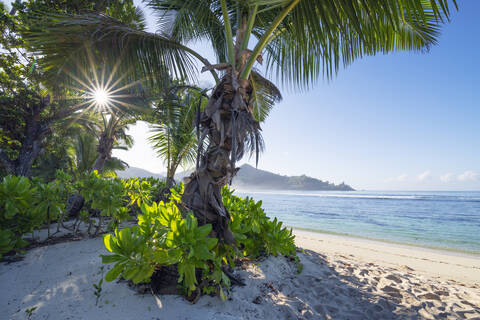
<point>251,178</point>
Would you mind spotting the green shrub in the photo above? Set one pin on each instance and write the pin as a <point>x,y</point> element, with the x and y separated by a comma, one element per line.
<point>138,191</point>
<point>162,237</point>
<point>166,237</point>
<point>17,198</point>
<point>105,195</point>
<point>254,232</point>
<point>51,203</point>
<point>26,205</point>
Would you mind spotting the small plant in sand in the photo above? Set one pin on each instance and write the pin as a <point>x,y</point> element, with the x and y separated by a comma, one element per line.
<point>29,312</point>
<point>98,287</point>
<point>163,237</point>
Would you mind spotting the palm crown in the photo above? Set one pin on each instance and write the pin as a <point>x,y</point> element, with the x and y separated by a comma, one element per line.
<point>301,38</point>
<point>174,135</point>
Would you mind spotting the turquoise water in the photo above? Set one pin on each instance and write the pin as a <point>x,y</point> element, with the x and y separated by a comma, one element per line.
<point>445,220</point>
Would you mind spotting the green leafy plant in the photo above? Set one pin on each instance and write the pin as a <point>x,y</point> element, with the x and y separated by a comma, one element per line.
<point>50,204</point>
<point>29,312</point>
<point>17,197</point>
<point>7,242</point>
<point>98,287</point>
<point>104,195</point>
<point>164,236</point>
<point>255,233</point>
<point>138,191</point>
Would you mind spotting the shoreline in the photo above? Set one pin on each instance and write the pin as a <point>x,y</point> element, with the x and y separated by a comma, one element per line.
<point>444,265</point>
<point>449,251</point>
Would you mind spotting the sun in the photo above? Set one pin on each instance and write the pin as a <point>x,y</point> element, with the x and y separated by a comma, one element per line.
<point>99,88</point>
<point>101,97</point>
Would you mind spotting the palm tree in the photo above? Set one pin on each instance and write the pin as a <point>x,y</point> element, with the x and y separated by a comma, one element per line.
<point>299,40</point>
<point>112,136</point>
<point>174,133</point>
<point>85,155</point>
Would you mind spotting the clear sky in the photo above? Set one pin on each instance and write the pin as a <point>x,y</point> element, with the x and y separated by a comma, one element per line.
<point>401,121</point>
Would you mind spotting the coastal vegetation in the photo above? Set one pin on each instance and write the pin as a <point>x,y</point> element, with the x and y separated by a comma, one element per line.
<point>75,75</point>
<point>164,236</point>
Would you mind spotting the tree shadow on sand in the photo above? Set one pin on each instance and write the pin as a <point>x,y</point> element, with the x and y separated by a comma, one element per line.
<point>320,292</point>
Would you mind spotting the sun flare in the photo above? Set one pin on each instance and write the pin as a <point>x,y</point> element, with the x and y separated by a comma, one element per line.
<point>101,88</point>
<point>101,97</point>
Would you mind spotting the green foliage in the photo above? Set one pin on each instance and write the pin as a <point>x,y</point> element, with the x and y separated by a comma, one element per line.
<point>50,204</point>
<point>8,242</point>
<point>174,135</point>
<point>98,287</point>
<point>105,196</point>
<point>163,237</point>
<point>255,233</point>
<point>166,237</point>
<point>16,216</point>
<point>140,190</point>
<point>26,205</point>
<point>29,312</point>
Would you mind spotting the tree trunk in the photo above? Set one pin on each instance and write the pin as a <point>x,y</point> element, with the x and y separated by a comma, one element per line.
<point>100,163</point>
<point>104,148</point>
<point>229,124</point>
<point>6,163</point>
<point>170,182</point>
<point>34,133</point>
<point>27,157</point>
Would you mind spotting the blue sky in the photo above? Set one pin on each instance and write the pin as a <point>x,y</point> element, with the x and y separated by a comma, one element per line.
<point>399,121</point>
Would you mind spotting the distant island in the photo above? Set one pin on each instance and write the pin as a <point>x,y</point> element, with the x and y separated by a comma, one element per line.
<point>250,178</point>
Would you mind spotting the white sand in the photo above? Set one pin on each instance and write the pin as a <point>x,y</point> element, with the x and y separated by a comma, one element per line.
<point>443,265</point>
<point>342,279</point>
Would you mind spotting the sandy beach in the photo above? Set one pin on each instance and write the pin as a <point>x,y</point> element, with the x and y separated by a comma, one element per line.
<point>342,278</point>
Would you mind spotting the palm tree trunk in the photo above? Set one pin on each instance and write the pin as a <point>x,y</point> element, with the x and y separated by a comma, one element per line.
<point>104,148</point>
<point>228,122</point>
<point>170,182</point>
<point>100,163</point>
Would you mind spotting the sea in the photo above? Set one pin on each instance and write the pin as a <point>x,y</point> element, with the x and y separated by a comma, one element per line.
<point>447,220</point>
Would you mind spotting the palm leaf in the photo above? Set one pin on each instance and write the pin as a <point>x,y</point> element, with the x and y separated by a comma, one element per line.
<point>264,96</point>
<point>174,135</point>
<point>317,37</point>
<point>64,42</point>
<point>191,20</point>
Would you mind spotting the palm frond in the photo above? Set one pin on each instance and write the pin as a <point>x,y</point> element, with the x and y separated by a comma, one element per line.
<point>114,164</point>
<point>63,41</point>
<point>174,135</point>
<point>192,20</point>
<point>317,37</point>
<point>264,96</point>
